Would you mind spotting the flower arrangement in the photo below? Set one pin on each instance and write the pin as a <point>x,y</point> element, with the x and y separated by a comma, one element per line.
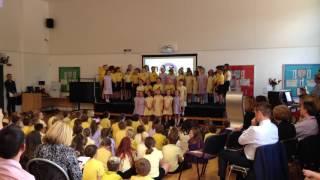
<point>274,82</point>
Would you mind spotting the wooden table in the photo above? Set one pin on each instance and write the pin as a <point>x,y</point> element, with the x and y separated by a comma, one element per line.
<point>38,102</point>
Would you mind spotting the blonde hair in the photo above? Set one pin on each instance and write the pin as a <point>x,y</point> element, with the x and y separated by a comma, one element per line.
<point>59,133</point>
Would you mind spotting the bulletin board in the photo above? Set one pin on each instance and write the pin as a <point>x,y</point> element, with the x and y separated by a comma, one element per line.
<point>66,75</point>
<point>299,75</point>
<point>242,79</point>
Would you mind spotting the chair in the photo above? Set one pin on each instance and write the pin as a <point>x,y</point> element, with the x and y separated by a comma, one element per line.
<point>44,169</point>
<point>291,146</point>
<point>213,145</point>
<point>308,152</point>
<point>270,163</point>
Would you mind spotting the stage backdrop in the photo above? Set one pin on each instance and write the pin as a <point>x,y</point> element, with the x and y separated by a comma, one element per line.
<point>66,75</point>
<point>242,79</point>
<point>299,75</point>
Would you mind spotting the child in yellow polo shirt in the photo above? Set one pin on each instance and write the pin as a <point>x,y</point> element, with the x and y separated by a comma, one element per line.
<point>158,85</point>
<point>159,138</point>
<point>113,166</point>
<point>105,121</point>
<point>153,75</point>
<point>121,133</point>
<point>93,169</point>
<point>104,151</point>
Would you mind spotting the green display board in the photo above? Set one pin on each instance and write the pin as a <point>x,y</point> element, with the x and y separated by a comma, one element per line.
<point>66,75</point>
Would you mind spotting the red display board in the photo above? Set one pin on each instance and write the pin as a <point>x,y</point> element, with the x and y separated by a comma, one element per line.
<point>243,79</point>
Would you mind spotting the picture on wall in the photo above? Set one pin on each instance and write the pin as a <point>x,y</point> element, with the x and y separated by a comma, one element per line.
<point>299,75</point>
<point>242,79</point>
<point>66,75</point>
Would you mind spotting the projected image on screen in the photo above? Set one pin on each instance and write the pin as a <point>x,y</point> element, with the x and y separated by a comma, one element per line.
<point>174,62</point>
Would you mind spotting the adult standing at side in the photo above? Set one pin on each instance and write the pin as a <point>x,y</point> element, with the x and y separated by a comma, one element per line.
<point>11,89</point>
<point>227,78</point>
<point>316,89</point>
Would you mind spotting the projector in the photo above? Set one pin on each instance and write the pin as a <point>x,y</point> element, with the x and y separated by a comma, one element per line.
<point>4,59</point>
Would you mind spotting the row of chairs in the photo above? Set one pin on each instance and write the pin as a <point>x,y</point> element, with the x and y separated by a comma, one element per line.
<point>305,153</point>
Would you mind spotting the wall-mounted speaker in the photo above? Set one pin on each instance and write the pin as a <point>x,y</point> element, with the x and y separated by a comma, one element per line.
<point>50,23</point>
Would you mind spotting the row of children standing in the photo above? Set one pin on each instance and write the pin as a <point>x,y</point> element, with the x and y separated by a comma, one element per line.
<point>200,87</point>
<point>167,106</point>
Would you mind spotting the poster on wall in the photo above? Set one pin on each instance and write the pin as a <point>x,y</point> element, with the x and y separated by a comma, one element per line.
<point>299,75</point>
<point>66,75</point>
<point>242,79</point>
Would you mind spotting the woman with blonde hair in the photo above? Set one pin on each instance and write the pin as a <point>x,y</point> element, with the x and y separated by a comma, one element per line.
<point>56,148</point>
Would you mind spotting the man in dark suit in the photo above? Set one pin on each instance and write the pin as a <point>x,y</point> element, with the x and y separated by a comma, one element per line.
<point>11,89</point>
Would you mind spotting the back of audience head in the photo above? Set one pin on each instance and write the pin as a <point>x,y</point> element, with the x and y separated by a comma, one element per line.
<point>212,128</point>
<point>27,121</point>
<point>124,147</point>
<point>113,164</point>
<point>150,143</point>
<point>261,98</point>
<point>173,137</point>
<point>249,103</point>
<point>105,132</point>
<point>262,111</point>
<point>106,142</point>
<point>12,142</point>
<point>84,118</point>
<point>308,108</point>
<point>130,133</point>
<point>93,127</point>
<point>122,125</point>
<point>159,128</point>
<point>90,151</point>
<point>86,132</point>
<point>59,133</point>
<point>106,114</point>
<point>135,117</point>
<point>281,113</point>
<point>128,122</point>
<point>78,143</point>
<point>140,129</point>
<point>143,167</point>
<point>38,127</point>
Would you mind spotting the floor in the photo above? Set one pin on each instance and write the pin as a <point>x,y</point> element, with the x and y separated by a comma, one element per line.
<point>191,174</point>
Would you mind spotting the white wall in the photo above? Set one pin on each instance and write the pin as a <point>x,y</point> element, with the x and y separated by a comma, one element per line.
<point>109,26</point>
<point>22,34</point>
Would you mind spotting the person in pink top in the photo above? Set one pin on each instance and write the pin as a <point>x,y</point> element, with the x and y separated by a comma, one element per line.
<point>11,149</point>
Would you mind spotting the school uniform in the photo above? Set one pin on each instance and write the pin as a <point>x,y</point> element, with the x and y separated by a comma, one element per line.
<point>167,101</point>
<point>189,84</point>
<point>148,103</point>
<point>158,105</point>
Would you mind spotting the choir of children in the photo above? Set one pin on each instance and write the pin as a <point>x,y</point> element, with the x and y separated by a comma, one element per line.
<point>200,88</point>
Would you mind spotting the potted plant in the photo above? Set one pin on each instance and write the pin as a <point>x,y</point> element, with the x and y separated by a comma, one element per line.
<point>273,82</point>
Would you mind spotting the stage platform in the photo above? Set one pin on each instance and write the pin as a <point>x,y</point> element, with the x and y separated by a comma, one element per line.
<point>192,110</point>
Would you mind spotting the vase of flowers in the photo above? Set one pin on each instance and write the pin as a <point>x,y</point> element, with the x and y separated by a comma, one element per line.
<point>273,82</point>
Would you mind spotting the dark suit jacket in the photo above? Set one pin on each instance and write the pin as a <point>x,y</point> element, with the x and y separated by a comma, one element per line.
<point>10,87</point>
<point>286,130</point>
<point>271,163</point>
